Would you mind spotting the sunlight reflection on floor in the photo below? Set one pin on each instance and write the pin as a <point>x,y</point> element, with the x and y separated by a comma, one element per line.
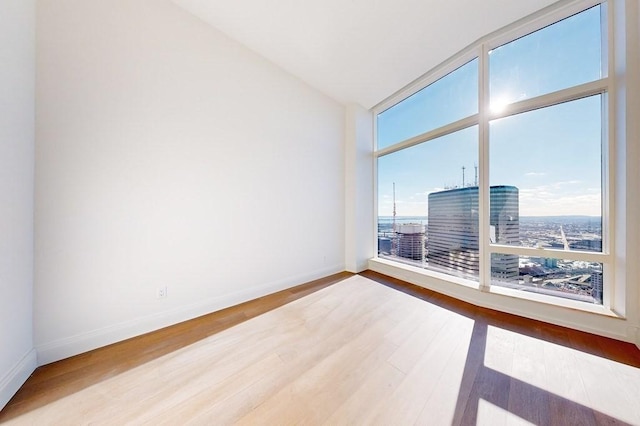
<point>606,386</point>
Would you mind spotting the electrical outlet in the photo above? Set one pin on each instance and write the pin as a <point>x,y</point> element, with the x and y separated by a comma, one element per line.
<point>162,292</point>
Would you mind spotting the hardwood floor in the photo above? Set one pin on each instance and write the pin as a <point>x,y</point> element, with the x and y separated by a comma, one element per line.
<point>57,380</point>
<point>343,350</point>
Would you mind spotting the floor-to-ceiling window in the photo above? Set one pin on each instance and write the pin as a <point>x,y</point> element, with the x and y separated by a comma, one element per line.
<point>495,169</point>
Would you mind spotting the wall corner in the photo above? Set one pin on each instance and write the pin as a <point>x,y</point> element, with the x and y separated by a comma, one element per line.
<point>359,196</point>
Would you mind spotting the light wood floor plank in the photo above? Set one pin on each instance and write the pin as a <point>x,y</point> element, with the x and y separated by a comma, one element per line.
<point>342,351</point>
<point>347,365</point>
<point>564,374</point>
<point>440,406</point>
<point>406,403</point>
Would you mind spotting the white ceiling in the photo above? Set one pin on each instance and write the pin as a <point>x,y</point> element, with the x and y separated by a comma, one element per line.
<point>359,51</point>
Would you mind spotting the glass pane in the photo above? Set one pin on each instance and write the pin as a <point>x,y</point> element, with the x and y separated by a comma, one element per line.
<point>451,98</point>
<point>435,225</point>
<point>559,56</point>
<point>549,162</point>
<point>569,279</point>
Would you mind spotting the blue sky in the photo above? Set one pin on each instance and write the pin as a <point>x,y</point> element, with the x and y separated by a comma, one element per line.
<point>552,155</point>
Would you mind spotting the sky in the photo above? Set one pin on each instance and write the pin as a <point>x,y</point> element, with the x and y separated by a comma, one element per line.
<point>552,155</point>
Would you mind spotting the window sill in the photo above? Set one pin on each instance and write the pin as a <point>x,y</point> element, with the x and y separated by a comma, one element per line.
<point>555,301</point>
<point>427,273</point>
<point>441,283</point>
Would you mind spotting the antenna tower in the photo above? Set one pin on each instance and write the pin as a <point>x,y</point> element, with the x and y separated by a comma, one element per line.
<point>476,181</point>
<point>394,207</point>
<point>463,167</point>
<point>394,238</point>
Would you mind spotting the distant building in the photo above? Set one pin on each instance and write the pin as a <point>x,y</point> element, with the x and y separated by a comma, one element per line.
<point>596,285</point>
<point>550,262</point>
<point>411,241</point>
<point>454,234</point>
<point>589,245</point>
<point>384,245</point>
<point>504,220</point>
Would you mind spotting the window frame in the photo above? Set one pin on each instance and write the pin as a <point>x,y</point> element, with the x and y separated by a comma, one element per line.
<point>604,86</point>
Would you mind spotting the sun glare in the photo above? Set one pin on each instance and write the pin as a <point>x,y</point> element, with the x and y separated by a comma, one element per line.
<point>499,105</point>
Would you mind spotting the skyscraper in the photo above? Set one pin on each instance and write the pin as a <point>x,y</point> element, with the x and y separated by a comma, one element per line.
<point>596,284</point>
<point>453,230</point>
<point>411,241</point>
<point>504,223</point>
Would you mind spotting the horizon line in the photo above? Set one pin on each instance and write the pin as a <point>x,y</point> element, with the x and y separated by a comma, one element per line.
<point>555,215</point>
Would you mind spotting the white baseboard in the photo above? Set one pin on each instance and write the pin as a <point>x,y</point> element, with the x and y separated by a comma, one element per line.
<point>74,345</point>
<point>11,382</point>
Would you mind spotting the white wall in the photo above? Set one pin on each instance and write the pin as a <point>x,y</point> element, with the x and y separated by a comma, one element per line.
<point>633,157</point>
<point>17,72</point>
<point>627,178</point>
<point>170,155</point>
<point>359,220</point>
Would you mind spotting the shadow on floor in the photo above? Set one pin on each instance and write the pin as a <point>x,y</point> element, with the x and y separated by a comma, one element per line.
<point>528,402</point>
